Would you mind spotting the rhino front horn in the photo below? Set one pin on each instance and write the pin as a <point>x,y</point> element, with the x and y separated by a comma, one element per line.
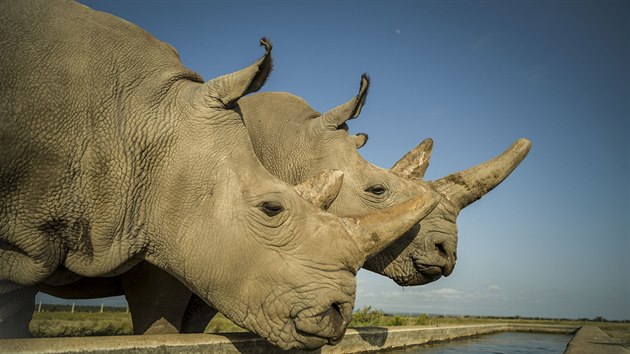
<point>465,187</point>
<point>322,189</point>
<point>375,231</point>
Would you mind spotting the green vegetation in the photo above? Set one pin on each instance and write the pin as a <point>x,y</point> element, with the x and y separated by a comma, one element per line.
<point>88,321</point>
<point>423,320</point>
<point>78,324</point>
<point>221,324</point>
<point>59,321</point>
<point>366,317</point>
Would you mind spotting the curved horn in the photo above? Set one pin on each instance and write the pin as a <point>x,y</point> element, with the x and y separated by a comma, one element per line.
<point>359,139</point>
<point>374,232</point>
<point>224,91</point>
<point>415,163</point>
<point>321,190</point>
<point>465,187</point>
<point>337,116</point>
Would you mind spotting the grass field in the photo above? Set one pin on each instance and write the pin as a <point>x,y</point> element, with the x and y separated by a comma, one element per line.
<point>66,324</point>
<point>78,324</point>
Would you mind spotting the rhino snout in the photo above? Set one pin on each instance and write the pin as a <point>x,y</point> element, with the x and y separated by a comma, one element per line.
<point>447,253</point>
<point>431,266</point>
<point>329,324</point>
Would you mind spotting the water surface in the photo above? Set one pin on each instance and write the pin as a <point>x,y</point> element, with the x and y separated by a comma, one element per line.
<point>498,343</point>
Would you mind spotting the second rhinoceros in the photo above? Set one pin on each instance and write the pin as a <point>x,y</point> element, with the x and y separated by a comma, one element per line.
<point>295,142</point>
<point>113,153</point>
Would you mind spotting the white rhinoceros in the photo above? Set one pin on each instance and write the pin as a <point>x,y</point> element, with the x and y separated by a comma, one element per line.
<point>113,153</point>
<point>295,142</point>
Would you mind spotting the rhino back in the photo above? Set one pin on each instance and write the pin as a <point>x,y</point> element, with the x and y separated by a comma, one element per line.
<point>84,132</point>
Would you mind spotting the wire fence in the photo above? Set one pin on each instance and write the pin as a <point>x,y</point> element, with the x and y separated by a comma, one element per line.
<point>72,308</point>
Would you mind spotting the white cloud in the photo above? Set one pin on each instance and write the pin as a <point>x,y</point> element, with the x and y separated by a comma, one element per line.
<point>447,293</point>
<point>494,287</point>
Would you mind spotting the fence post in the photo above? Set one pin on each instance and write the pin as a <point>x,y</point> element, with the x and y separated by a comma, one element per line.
<point>72,311</point>
<point>39,308</point>
<point>101,307</point>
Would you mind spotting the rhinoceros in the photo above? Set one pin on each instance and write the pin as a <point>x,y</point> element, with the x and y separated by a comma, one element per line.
<point>113,153</point>
<point>295,142</point>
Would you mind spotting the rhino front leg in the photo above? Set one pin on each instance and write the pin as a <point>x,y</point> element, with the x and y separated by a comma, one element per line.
<point>17,304</point>
<point>157,301</point>
<point>197,315</point>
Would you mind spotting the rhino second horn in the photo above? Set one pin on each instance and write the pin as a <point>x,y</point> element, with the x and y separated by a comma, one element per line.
<point>465,187</point>
<point>336,117</point>
<point>415,163</point>
<point>322,189</point>
<point>224,91</point>
<point>375,231</point>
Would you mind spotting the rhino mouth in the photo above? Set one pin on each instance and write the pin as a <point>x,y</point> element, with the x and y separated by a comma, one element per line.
<point>317,339</point>
<point>328,326</point>
<point>429,272</point>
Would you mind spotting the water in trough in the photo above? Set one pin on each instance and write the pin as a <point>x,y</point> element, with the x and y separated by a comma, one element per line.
<point>498,343</point>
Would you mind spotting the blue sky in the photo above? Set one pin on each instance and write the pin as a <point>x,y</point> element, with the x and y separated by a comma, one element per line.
<point>553,240</point>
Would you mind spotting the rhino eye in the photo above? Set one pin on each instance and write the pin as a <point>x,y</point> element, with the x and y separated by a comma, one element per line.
<point>271,208</point>
<point>376,189</point>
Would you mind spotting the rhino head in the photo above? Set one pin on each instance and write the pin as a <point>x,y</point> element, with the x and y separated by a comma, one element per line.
<point>294,141</point>
<point>432,251</point>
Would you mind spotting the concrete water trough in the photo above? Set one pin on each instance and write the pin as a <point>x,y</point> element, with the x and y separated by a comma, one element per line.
<point>357,340</point>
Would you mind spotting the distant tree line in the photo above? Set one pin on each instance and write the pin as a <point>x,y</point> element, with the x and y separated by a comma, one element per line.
<point>517,317</point>
<point>583,319</point>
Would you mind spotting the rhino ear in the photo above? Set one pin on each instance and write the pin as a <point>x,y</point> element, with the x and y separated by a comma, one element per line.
<point>415,163</point>
<point>224,91</point>
<point>336,117</point>
<point>359,139</point>
<point>322,189</point>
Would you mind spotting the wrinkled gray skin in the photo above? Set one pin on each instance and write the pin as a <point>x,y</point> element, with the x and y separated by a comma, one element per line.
<point>113,153</point>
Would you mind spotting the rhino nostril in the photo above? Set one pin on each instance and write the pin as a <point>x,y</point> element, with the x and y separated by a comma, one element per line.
<point>335,315</point>
<point>441,249</point>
